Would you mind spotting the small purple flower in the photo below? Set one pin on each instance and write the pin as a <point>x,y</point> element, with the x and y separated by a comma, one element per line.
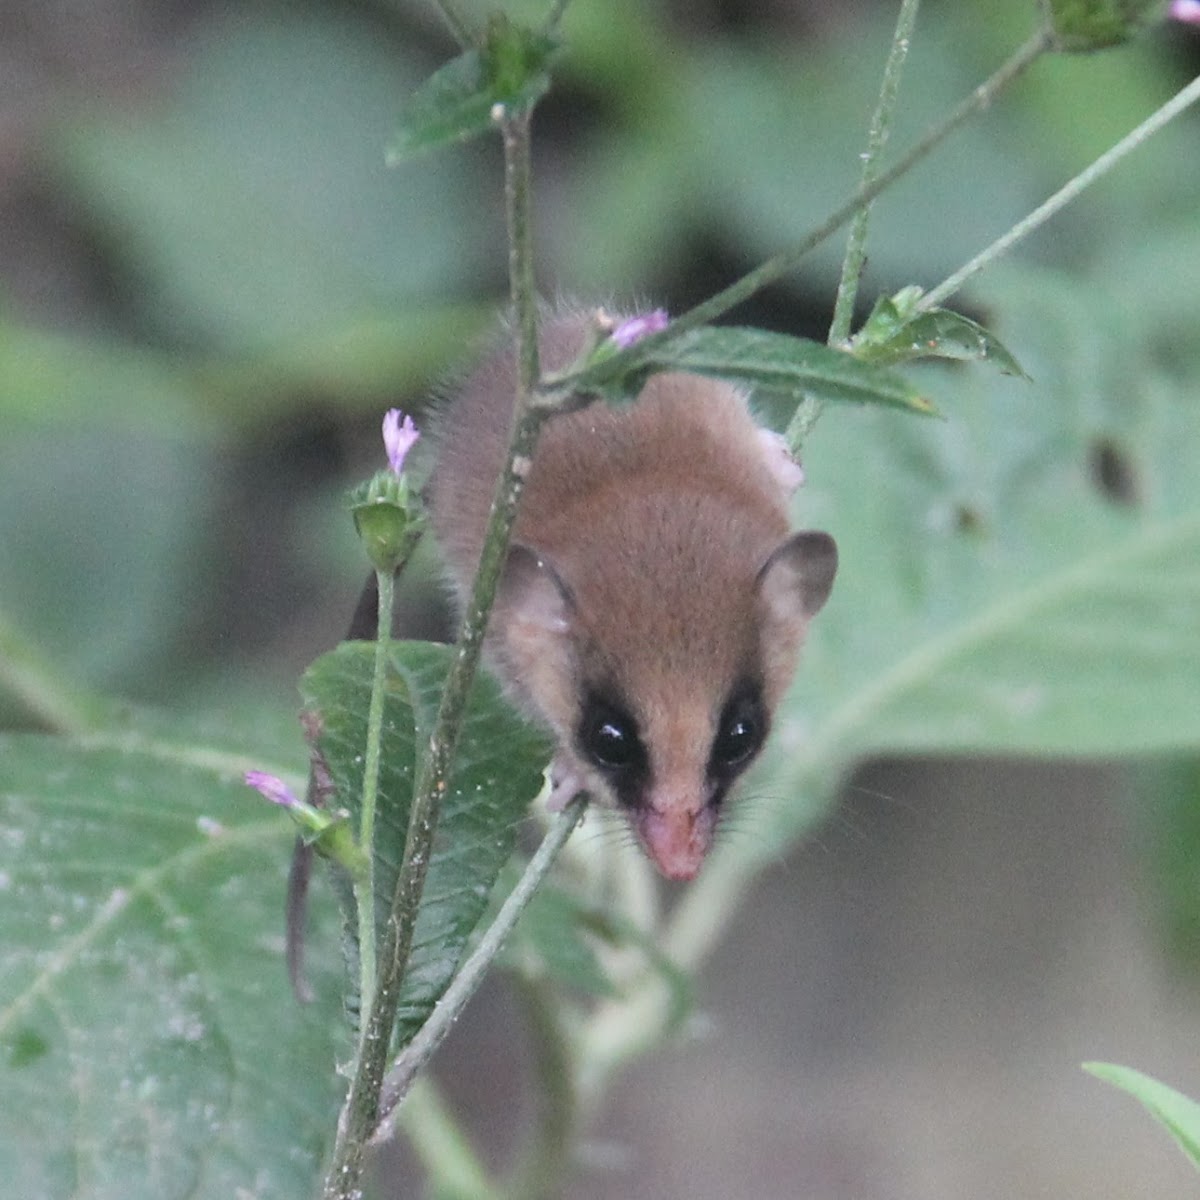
<point>633,329</point>
<point>273,788</point>
<point>1186,10</point>
<point>399,437</point>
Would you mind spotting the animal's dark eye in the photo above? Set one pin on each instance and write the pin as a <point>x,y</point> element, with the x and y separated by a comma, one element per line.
<point>609,737</point>
<point>739,734</point>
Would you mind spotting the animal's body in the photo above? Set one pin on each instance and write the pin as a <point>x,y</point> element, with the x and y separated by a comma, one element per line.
<point>654,601</point>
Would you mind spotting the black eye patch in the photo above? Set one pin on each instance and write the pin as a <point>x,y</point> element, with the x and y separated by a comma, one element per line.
<point>741,731</point>
<point>608,738</point>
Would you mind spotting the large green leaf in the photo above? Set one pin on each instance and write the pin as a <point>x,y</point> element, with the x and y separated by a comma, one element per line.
<point>498,771</point>
<point>149,1043</point>
<point>993,597</point>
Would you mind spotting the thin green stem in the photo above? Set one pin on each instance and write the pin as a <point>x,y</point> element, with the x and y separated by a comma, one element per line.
<point>1182,100</point>
<point>810,409</point>
<point>781,264</point>
<point>456,23</point>
<point>881,123</point>
<point>449,1160</point>
<point>431,1035</point>
<point>364,888</point>
<point>541,1175</point>
<point>360,1115</point>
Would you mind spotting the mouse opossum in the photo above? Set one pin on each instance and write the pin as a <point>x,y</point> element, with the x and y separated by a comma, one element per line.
<point>654,600</point>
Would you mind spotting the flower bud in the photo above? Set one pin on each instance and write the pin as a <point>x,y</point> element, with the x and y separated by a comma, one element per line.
<point>387,514</point>
<point>1082,25</point>
<point>328,831</point>
<point>633,329</point>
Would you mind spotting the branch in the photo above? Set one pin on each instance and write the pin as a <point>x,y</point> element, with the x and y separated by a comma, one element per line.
<point>1182,100</point>
<point>431,1035</point>
<point>360,1115</point>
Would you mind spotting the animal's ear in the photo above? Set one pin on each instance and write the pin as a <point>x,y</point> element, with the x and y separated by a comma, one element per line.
<point>798,577</point>
<point>533,636</point>
<point>532,593</point>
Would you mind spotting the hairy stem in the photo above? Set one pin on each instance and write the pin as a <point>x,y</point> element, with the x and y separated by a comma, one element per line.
<point>1182,100</point>
<point>810,408</point>
<point>431,1035</point>
<point>360,1115</point>
<point>781,264</point>
<point>364,889</point>
<point>881,124</point>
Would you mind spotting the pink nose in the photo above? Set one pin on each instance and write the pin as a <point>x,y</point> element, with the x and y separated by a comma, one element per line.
<point>676,839</point>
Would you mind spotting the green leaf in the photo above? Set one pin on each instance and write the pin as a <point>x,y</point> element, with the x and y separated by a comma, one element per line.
<point>499,770</point>
<point>1178,1114</point>
<point>896,332</point>
<point>775,363</point>
<point>1084,25</point>
<point>150,1046</point>
<point>457,102</point>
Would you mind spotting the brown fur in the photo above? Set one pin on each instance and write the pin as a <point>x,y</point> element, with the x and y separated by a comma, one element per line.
<point>669,534</point>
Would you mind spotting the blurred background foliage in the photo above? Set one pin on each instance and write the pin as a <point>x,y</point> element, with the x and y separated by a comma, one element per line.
<point>211,286</point>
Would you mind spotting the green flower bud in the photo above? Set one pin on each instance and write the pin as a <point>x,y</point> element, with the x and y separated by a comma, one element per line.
<point>329,832</point>
<point>386,513</point>
<point>1079,26</point>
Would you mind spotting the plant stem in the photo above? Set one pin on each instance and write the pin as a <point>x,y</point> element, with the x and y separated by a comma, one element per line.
<point>781,264</point>
<point>456,23</point>
<point>431,1035</point>
<point>449,1160</point>
<point>1182,100</point>
<point>360,1114</point>
<point>881,121</point>
<point>810,408</point>
<point>541,1175</point>
<point>364,889</point>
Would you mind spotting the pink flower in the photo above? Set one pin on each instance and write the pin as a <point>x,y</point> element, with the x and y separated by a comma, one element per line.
<point>1186,10</point>
<point>399,437</point>
<point>272,787</point>
<point>634,329</point>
